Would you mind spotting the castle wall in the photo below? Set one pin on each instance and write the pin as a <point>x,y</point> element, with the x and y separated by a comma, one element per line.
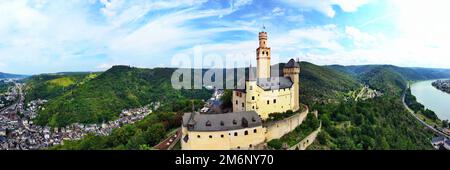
<point>278,129</point>
<point>224,140</point>
<point>302,145</point>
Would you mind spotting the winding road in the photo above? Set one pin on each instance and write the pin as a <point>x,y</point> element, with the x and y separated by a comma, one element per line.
<point>421,121</point>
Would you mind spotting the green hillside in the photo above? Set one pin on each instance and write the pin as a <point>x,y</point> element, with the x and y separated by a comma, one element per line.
<point>49,86</point>
<point>384,79</point>
<point>103,97</point>
<point>4,86</point>
<point>379,123</point>
<point>322,84</point>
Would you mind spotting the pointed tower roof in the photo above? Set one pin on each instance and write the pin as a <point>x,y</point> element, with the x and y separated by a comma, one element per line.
<point>292,64</point>
<point>251,74</point>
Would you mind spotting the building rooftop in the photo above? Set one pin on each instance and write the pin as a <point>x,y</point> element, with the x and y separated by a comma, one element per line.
<point>274,83</point>
<point>292,64</point>
<point>221,122</point>
<point>438,139</point>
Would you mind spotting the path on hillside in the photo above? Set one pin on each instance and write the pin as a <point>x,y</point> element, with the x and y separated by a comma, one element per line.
<point>420,120</point>
<point>168,143</point>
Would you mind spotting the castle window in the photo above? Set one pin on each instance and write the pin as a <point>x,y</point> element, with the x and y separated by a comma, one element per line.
<point>274,100</point>
<point>235,134</point>
<point>268,102</point>
<point>251,87</point>
<point>236,102</point>
<point>198,136</point>
<point>250,146</point>
<point>239,147</point>
<point>221,136</point>
<point>210,136</point>
<point>208,123</point>
<point>246,133</point>
<point>222,123</point>
<point>253,97</point>
<point>244,122</point>
<point>234,122</point>
<point>255,131</point>
<point>242,104</point>
<point>253,119</point>
<point>253,107</point>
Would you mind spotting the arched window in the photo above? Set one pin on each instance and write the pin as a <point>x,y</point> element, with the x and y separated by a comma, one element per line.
<point>246,133</point>
<point>210,136</point>
<point>235,134</point>
<point>254,130</point>
<point>198,136</point>
<point>244,122</point>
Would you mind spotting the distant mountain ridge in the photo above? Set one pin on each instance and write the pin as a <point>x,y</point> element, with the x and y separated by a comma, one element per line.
<point>409,73</point>
<point>8,75</point>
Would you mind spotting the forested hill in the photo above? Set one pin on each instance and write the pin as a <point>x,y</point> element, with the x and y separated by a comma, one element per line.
<point>408,73</point>
<point>49,86</point>
<point>379,123</point>
<point>320,84</point>
<point>103,97</point>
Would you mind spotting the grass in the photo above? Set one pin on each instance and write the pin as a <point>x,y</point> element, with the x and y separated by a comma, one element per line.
<point>63,81</point>
<point>429,121</point>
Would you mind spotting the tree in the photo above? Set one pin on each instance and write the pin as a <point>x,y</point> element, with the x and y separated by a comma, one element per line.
<point>445,124</point>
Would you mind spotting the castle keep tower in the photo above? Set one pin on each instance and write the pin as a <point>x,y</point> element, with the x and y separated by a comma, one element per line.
<point>263,57</point>
<point>292,70</point>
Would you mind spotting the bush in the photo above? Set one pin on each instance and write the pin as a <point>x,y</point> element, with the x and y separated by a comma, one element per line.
<point>275,144</point>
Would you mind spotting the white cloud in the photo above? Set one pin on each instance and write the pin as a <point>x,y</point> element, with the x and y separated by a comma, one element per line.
<point>69,35</point>
<point>277,11</point>
<point>362,39</point>
<point>239,3</point>
<point>326,6</point>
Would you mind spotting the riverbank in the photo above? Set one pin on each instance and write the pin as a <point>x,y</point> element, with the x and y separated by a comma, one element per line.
<point>432,128</point>
<point>432,98</point>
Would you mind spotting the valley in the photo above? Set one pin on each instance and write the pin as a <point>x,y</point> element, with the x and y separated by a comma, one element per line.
<point>360,107</point>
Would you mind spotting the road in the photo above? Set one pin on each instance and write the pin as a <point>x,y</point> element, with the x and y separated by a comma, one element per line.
<point>169,142</point>
<point>17,106</point>
<point>421,121</point>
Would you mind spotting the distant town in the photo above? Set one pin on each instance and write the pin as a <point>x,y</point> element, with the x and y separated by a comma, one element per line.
<point>18,132</point>
<point>443,85</point>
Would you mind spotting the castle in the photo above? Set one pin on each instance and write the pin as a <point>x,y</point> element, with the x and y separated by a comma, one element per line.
<point>266,94</point>
<point>244,128</point>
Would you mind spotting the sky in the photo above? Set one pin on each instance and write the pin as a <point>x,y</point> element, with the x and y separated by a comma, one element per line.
<point>47,36</point>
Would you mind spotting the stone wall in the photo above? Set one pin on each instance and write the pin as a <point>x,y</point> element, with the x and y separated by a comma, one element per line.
<point>277,129</point>
<point>302,145</point>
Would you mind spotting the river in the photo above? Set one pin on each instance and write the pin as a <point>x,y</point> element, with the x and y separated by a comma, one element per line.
<point>432,98</point>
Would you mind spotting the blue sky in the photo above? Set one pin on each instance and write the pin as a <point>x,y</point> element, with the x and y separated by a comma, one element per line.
<point>44,36</point>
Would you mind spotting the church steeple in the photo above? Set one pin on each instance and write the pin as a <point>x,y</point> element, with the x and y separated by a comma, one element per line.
<point>263,56</point>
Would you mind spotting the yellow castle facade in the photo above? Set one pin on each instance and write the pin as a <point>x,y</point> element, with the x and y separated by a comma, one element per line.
<point>266,94</point>
<point>243,128</point>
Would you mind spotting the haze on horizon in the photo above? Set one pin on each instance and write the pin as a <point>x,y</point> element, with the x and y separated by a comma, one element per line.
<point>46,36</point>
